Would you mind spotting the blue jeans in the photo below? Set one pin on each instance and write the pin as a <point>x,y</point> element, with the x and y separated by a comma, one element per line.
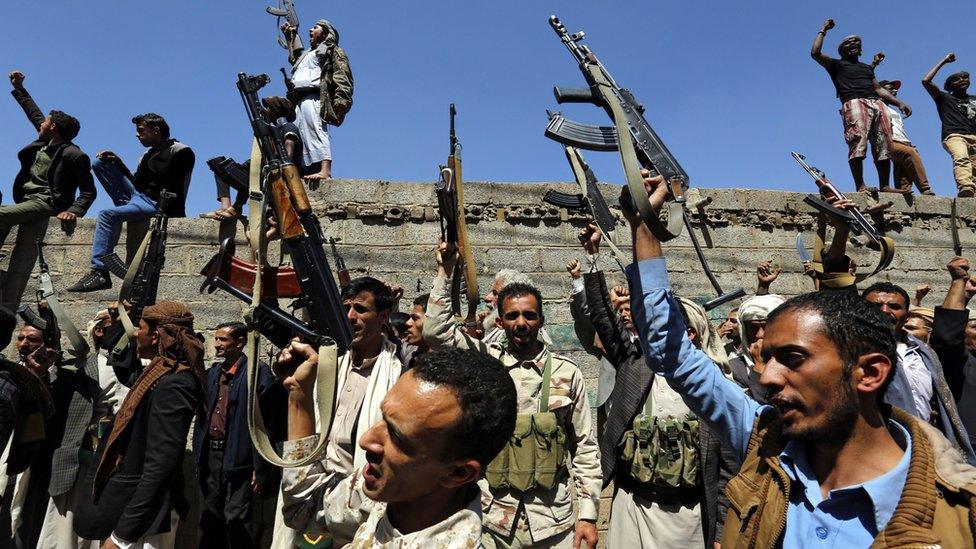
<point>130,205</point>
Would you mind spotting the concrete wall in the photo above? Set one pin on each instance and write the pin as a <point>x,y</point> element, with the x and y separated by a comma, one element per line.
<point>389,230</point>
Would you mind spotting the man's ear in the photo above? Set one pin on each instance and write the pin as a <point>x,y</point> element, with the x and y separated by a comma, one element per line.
<point>498,322</point>
<point>870,372</point>
<point>464,472</point>
<point>692,334</point>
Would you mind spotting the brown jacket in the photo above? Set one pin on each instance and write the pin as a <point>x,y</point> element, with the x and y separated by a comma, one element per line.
<point>937,506</point>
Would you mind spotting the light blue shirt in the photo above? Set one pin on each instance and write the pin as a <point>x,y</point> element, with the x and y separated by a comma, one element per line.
<point>848,517</point>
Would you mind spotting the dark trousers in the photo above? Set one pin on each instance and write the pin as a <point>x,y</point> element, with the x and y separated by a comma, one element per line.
<point>225,506</point>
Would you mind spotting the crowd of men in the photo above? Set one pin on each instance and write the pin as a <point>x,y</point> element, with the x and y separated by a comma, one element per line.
<point>841,417</point>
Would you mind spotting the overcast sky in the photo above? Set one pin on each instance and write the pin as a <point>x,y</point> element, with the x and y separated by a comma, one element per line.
<point>729,86</point>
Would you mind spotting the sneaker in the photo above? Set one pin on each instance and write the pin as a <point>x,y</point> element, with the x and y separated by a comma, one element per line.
<point>928,192</point>
<point>93,281</point>
<point>967,192</point>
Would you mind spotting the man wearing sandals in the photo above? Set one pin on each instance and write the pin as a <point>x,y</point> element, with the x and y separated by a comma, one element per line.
<point>166,166</point>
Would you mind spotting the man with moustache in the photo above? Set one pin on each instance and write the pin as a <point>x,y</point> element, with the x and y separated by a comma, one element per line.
<point>441,424</point>
<point>416,346</point>
<point>957,111</point>
<point>862,107</point>
<point>366,373</point>
<point>827,463</point>
<point>228,470</point>
<point>918,382</point>
<point>530,506</point>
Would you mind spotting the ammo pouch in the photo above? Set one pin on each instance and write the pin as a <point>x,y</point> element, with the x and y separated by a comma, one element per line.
<point>662,451</point>
<point>535,456</point>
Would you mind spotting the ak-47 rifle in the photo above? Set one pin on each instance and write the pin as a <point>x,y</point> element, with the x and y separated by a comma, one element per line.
<point>342,273</point>
<point>454,229</point>
<point>589,199</point>
<point>275,179</point>
<point>50,317</point>
<point>232,172</point>
<point>636,141</point>
<point>286,9</point>
<point>858,224</point>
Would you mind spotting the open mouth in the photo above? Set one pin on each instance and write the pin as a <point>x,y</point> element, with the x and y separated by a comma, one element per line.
<point>371,474</point>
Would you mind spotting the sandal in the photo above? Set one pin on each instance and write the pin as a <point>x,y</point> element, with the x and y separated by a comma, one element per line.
<point>225,214</point>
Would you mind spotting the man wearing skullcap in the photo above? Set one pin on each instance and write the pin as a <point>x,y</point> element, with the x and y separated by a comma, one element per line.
<point>135,497</point>
<point>863,106</point>
<point>321,88</point>
<point>957,111</point>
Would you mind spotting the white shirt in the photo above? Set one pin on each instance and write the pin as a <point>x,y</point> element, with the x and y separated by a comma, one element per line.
<point>307,71</point>
<point>919,379</point>
<point>897,125</point>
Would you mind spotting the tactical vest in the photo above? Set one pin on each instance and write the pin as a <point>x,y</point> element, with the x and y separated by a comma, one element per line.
<point>535,456</point>
<point>662,451</point>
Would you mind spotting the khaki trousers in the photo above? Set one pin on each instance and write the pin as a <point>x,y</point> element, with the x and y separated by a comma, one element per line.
<point>908,167</point>
<point>962,149</point>
<point>31,218</point>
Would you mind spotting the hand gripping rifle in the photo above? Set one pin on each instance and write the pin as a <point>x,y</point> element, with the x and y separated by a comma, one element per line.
<point>286,9</point>
<point>636,141</point>
<point>858,224</point>
<point>274,181</point>
<point>454,229</point>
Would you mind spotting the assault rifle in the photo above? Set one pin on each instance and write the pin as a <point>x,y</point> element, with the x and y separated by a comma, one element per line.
<point>50,317</point>
<point>286,9</point>
<point>859,225</point>
<point>327,327</point>
<point>233,173</point>
<point>300,232</point>
<point>637,143</point>
<point>589,200</point>
<point>342,273</point>
<point>141,277</point>
<point>454,229</point>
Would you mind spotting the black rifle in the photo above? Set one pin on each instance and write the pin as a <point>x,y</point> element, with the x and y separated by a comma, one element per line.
<point>300,232</point>
<point>233,173</point>
<point>636,141</point>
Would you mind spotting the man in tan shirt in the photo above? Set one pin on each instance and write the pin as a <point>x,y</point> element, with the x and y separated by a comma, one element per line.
<point>537,517</point>
<point>366,373</point>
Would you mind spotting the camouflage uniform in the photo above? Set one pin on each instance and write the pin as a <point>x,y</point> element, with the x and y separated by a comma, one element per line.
<point>547,513</point>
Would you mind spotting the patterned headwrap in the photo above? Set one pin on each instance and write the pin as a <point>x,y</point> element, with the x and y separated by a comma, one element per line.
<point>708,338</point>
<point>179,349</point>
<point>331,33</point>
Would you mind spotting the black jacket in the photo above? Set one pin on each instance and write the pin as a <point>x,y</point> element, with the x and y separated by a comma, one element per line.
<point>240,456</point>
<point>138,498</point>
<point>959,364</point>
<point>70,169</point>
<point>167,167</point>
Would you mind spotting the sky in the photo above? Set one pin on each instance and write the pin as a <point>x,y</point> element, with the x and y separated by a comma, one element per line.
<point>729,86</point>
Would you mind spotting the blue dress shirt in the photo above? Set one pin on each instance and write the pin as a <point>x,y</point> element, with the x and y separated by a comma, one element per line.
<point>847,517</point>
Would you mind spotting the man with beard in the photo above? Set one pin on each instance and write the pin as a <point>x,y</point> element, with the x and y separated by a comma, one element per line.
<point>135,497</point>
<point>918,384</point>
<point>527,498</point>
<point>863,106</point>
<point>366,373</point>
<point>228,470</point>
<point>165,167</point>
<point>321,88</point>
<point>957,111</point>
<point>52,169</point>
<point>441,424</point>
<point>489,318</point>
<point>954,339</point>
<point>827,463</point>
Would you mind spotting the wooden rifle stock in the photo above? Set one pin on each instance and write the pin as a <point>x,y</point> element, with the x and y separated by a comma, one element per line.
<point>289,226</point>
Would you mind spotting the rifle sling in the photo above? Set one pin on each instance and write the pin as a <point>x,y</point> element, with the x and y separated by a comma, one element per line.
<point>79,347</point>
<point>325,375</point>
<point>632,167</point>
<point>126,290</point>
<point>845,279</point>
